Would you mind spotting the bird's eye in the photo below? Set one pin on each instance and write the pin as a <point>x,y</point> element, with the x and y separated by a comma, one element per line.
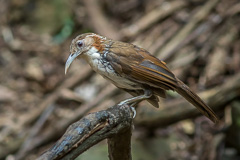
<point>79,44</point>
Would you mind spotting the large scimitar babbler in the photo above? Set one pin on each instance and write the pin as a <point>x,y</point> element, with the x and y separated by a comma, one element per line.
<point>133,69</point>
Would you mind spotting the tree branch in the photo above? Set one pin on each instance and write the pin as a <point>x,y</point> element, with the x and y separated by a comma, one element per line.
<point>92,129</point>
<point>119,146</point>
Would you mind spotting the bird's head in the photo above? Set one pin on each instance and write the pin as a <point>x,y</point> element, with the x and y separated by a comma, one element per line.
<point>82,44</point>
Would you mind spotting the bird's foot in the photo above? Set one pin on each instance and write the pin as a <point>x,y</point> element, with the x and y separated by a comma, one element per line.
<point>135,100</point>
<point>133,111</point>
<point>132,107</point>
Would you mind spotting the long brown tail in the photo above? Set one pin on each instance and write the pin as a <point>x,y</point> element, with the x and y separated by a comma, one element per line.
<point>193,98</point>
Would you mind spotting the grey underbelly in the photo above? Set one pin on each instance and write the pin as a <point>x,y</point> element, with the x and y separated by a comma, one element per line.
<point>122,82</point>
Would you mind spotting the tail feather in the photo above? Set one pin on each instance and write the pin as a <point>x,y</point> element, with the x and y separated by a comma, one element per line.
<point>154,100</point>
<point>194,99</point>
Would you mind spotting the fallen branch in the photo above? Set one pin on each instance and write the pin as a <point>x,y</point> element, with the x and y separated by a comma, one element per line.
<point>50,99</point>
<point>99,21</point>
<point>152,17</point>
<point>203,12</point>
<point>75,78</point>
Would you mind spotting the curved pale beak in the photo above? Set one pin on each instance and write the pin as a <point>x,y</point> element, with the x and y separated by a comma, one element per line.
<point>70,60</point>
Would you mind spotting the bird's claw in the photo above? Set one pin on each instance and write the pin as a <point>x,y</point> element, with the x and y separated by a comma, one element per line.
<point>131,107</point>
<point>133,111</point>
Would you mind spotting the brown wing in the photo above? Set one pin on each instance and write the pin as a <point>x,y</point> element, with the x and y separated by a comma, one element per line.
<point>138,65</point>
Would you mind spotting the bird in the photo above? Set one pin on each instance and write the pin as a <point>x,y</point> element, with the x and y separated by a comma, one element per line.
<point>132,69</point>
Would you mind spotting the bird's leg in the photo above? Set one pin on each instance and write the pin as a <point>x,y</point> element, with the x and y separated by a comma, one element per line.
<point>147,94</point>
<point>132,106</point>
<point>135,100</point>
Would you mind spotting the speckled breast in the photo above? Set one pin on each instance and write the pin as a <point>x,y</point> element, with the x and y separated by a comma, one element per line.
<point>100,65</point>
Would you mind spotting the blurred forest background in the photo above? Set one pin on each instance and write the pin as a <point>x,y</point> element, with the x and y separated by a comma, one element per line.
<point>198,39</point>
